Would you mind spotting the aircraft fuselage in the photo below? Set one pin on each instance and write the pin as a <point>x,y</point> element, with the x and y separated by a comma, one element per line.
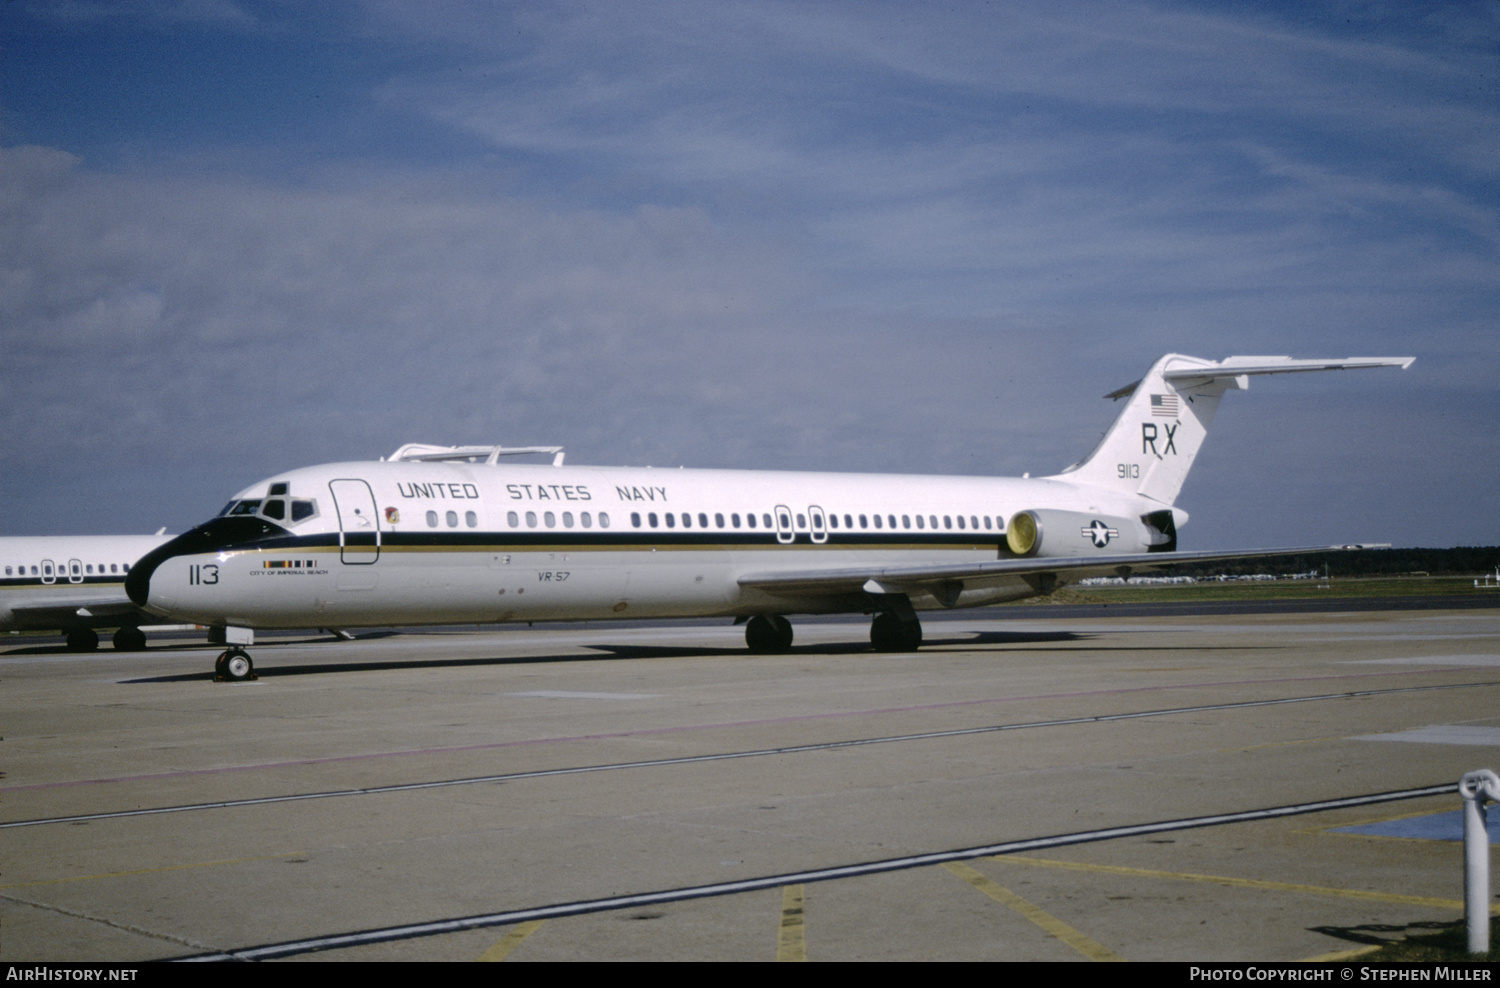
<point>432,543</point>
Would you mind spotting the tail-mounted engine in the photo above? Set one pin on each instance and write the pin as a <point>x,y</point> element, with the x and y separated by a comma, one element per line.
<point>1045,532</point>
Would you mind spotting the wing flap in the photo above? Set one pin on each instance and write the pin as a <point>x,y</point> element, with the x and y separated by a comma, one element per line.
<point>926,578</point>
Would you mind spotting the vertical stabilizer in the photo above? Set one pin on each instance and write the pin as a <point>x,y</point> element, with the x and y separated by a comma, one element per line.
<point>1151,445</point>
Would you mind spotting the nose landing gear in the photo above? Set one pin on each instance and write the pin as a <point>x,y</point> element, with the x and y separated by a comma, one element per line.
<point>234,666</point>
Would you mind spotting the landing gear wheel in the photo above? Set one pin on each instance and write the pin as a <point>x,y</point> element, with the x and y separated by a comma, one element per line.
<point>234,666</point>
<point>129,639</point>
<point>889,633</point>
<point>82,640</point>
<point>768,635</point>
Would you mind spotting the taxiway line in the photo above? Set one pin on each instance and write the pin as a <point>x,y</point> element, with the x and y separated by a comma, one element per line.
<point>1092,949</point>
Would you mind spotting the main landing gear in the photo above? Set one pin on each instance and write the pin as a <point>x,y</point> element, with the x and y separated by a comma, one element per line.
<point>83,640</point>
<point>768,634</point>
<point>888,633</point>
<point>771,634</point>
<point>234,666</point>
<point>129,639</point>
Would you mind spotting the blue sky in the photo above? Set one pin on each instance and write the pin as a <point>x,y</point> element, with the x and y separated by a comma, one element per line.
<point>240,237</point>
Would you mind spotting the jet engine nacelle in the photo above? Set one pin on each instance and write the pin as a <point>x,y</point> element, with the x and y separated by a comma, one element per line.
<point>1047,532</point>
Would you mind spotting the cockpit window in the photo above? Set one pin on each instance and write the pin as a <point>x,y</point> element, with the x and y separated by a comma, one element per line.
<point>274,508</point>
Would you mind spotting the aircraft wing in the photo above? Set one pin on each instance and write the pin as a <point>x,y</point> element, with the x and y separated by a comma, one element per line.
<point>941,578</point>
<point>59,612</point>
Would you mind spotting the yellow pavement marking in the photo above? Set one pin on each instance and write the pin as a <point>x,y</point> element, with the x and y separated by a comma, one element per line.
<point>151,871</point>
<point>790,942</point>
<point>1253,883</point>
<point>511,941</point>
<point>1051,924</point>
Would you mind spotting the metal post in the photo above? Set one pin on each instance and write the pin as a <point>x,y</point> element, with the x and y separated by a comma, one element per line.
<point>1475,788</point>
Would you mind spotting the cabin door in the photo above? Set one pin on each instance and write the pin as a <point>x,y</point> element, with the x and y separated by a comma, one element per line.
<point>359,521</point>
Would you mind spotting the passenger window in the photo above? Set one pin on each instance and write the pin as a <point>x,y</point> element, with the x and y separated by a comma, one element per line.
<point>512,519</point>
<point>651,518</point>
<point>750,520</point>
<point>833,521</point>
<point>471,519</point>
<point>452,518</point>
<point>766,518</point>
<point>734,520</point>
<point>877,520</point>
<point>550,519</point>
<point>703,520</point>
<point>432,519</point>
<point>587,519</point>
<point>671,520</point>
<point>635,519</point>
<point>531,519</point>
<point>906,521</point>
<point>604,519</point>
<point>687,520</point>
<point>919,521</point>
<point>801,521</point>
<point>718,520</point>
<point>947,522</point>
<point>567,519</point>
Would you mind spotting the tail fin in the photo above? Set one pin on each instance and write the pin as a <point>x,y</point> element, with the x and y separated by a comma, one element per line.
<point>1150,447</point>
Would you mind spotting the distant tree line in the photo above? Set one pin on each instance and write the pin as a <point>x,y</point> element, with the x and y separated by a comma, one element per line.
<point>1458,561</point>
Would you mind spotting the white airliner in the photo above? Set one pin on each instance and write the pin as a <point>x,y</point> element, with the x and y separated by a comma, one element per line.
<point>74,584</point>
<point>445,535</point>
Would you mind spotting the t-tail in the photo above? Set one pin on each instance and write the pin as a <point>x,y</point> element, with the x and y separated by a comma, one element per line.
<point>1150,447</point>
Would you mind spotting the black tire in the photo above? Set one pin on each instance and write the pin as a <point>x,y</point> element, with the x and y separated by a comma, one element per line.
<point>783,629</point>
<point>889,634</point>
<point>768,635</point>
<point>82,640</point>
<point>129,639</point>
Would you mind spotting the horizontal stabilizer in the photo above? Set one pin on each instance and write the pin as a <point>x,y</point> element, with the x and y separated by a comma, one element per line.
<point>1232,367</point>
